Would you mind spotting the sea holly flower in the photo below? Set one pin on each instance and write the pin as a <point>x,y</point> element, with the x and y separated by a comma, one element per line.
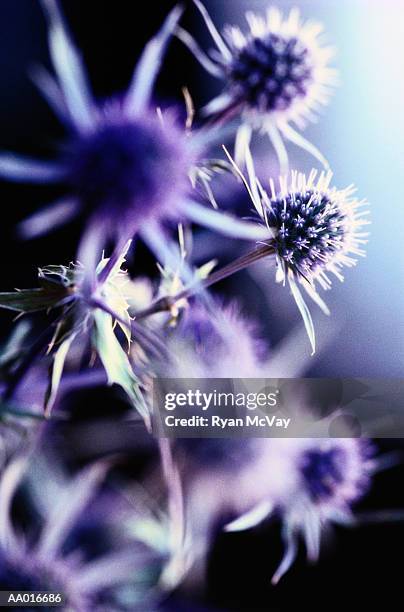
<point>310,483</point>
<point>274,75</point>
<point>215,341</point>
<point>127,166</point>
<point>80,311</point>
<point>315,229</point>
<point>51,556</point>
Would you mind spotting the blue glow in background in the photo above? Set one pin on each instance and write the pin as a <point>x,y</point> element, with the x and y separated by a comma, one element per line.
<point>361,133</point>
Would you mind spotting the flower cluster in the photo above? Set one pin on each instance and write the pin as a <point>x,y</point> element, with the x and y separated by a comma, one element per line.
<point>134,172</point>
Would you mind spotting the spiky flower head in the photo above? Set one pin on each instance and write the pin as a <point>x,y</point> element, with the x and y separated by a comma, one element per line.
<point>279,67</point>
<point>315,230</point>
<point>332,473</point>
<point>127,165</point>
<point>133,168</point>
<point>274,74</point>
<point>215,341</point>
<point>309,482</point>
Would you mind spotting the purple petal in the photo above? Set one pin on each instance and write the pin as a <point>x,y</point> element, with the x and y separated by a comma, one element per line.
<point>49,218</point>
<point>51,91</point>
<point>149,64</point>
<point>69,68</point>
<point>224,223</point>
<point>25,169</point>
<point>221,45</point>
<point>289,556</point>
<point>10,480</point>
<point>197,52</point>
<point>251,518</point>
<point>112,569</point>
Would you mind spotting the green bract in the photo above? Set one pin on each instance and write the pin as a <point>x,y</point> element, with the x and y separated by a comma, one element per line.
<point>64,292</point>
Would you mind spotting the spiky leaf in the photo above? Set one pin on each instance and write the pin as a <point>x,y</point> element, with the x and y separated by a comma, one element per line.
<point>116,362</point>
<point>31,300</point>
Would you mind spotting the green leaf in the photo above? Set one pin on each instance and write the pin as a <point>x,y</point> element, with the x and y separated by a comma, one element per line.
<point>56,373</point>
<point>116,362</point>
<point>151,532</point>
<point>30,300</point>
<point>203,271</point>
<point>15,346</point>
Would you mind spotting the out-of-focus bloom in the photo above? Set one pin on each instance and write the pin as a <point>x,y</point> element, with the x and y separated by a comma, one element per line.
<point>276,74</point>
<point>126,166</point>
<point>80,309</point>
<point>51,556</point>
<point>310,482</point>
<point>215,342</point>
<point>212,341</point>
<point>315,230</point>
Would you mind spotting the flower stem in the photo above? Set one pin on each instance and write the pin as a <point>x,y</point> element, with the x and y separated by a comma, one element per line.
<point>165,303</point>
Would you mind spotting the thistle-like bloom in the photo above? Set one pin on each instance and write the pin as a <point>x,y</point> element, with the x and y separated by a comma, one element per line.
<point>309,482</point>
<point>81,312</point>
<point>215,341</point>
<point>315,229</point>
<point>126,166</point>
<point>275,75</point>
<point>52,557</point>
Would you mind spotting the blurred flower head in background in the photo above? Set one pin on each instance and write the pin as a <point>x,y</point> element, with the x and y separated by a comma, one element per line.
<point>215,341</point>
<point>309,482</point>
<point>276,74</point>
<point>122,162</point>
<point>128,167</point>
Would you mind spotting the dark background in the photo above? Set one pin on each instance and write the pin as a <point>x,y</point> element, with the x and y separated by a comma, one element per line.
<point>359,567</point>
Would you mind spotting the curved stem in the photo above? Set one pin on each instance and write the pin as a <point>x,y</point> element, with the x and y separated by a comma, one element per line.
<point>166,302</point>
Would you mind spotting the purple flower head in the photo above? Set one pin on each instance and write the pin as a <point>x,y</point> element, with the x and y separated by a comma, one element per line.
<point>217,342</point>
<point>309,482</point>
<point>127,166</point>
<point>315,227</point>
<point>275,74</point>
<point>270,72</point>
<point>315,230</point>
<point>333,473</point>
